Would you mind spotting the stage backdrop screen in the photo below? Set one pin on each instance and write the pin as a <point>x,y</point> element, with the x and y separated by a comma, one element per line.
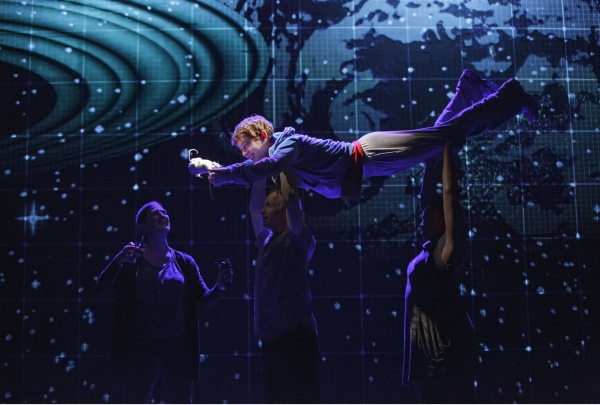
<point>101,102</point>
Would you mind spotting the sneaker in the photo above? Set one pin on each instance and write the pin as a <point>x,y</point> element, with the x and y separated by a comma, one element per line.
<point>530,108</point>
<point>474,79</point>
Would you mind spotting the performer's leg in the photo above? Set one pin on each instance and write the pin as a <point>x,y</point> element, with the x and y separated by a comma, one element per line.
<point>145,367</point>
<point>459,375</point>
<point>177,371</point>
<point>494,110</point>
<point>470,89</point>
<point>303,351</point>
<point>431,390</point>
<point>390,152</point>
<point>290,368</point>
<point>276,385</point>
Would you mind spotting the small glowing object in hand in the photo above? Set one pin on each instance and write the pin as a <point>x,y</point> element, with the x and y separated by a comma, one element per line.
<point>199,166</point>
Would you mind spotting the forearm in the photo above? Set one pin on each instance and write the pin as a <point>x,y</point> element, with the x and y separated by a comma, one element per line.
<point>212,296</point>
<point>250,172</point>
<point>288,185</point>
<point>449,195</point>
<point>432,175</point>
<point>450,202</point>
<point>292,203</point>
<point>447,172</point>
<point>107,276</point>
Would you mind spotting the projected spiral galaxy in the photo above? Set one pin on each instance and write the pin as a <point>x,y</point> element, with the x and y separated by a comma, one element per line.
<point>98,78</point>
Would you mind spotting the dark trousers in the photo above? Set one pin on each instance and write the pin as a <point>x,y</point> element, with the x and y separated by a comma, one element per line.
<point>470,90</point>
<point>455,385</point>
<point>446,389</point>
<point>390,152</point>
<point>290,368</point>
<point>166,359</point>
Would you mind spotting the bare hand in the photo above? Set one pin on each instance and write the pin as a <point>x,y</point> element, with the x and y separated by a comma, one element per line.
<point>225,274</point>
<point>129,254</point>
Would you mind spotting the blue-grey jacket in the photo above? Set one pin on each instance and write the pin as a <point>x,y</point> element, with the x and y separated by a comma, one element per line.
<point>315,164</point>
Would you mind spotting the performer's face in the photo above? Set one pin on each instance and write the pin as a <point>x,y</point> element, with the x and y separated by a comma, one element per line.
<point>274,212</point>
<point>157,221</point>
<point>254,148</point>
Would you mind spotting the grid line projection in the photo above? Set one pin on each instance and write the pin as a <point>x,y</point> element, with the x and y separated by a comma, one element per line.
<point>103,99</point>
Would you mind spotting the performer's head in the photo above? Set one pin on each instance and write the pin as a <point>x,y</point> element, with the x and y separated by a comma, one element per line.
<point>274,213</point>
<point>253,136</point>
<point>152,221</point>
<point>433,225</point>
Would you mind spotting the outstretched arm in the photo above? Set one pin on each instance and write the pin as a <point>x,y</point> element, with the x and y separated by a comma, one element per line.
<point>292,203</point>
<point>450,196</point>
<point>250,172</point>
<point>257,201</point>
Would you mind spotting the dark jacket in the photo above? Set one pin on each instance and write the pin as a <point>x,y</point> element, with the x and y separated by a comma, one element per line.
<point>122,278</point>
<point>315,164</point>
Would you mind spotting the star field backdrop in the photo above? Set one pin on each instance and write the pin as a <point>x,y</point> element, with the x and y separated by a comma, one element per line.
<point>102,99</point>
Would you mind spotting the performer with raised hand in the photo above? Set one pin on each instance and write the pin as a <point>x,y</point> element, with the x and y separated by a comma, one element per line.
<point>283,319</point>
<point>439,344</point>
<point>157,290</point>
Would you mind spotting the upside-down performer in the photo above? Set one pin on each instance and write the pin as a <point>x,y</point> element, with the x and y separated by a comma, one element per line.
<point>439,344</point>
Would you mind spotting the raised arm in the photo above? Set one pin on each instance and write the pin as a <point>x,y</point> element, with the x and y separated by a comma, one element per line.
<point>257,201</point>
<point>204,296</point>
<point>450,196</point>
<point>292,203</point>
<point>128,254</point>
<point>432,175</point>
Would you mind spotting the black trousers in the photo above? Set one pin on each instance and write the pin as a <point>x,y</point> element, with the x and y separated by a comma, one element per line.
<point>455,384</point>
<point>446,390</point>
<point>166,359</point>
<point>290,368</point>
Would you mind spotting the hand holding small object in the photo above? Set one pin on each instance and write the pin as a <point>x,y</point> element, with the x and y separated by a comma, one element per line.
<point>199,166</point>
<point>225,274</point>
<point>129,253</point>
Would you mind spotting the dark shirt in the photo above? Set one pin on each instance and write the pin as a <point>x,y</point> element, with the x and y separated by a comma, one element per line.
<point>438,334</point>
<point>282,298</point>
<point>161,300</point>
<point>123,280</point>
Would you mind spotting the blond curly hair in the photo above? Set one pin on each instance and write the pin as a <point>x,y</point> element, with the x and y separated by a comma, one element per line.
<point>250,129</point>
